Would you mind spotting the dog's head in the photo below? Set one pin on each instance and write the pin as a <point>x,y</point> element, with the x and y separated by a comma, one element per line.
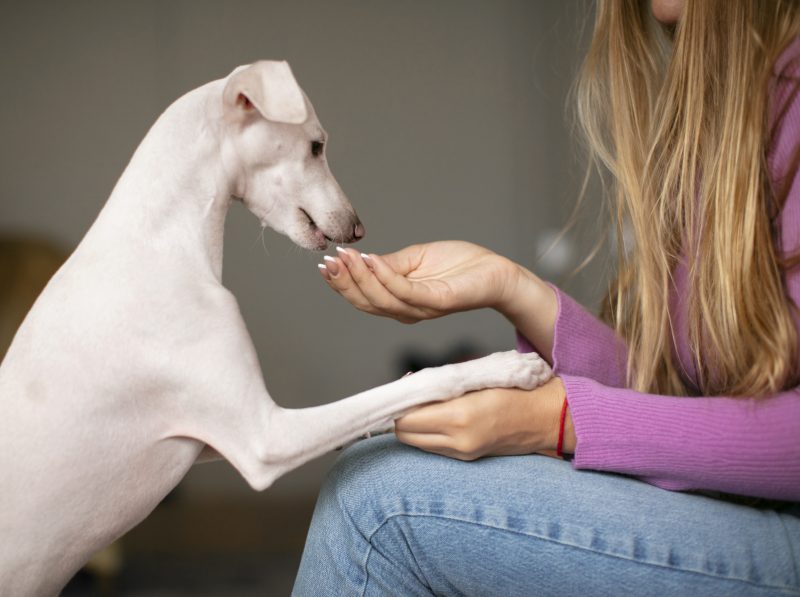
<point>274,149</point>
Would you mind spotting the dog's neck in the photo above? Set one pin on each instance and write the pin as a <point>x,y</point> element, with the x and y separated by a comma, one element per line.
<point>176,190</point>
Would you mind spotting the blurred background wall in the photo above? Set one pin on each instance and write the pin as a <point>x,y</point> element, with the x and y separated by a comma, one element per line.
<point>447,119</point>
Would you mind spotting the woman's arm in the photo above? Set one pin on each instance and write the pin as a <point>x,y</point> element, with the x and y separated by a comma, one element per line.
<point>531,305</point>
<point>745,446</point>
<point>742,446</point>
<point>573,340</point>
<point>431,280</point>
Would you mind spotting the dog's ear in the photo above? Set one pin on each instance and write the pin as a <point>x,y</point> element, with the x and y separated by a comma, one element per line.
<point>270,88</point>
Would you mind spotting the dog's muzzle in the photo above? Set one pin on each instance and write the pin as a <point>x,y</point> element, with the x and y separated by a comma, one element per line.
<point>348,229</point>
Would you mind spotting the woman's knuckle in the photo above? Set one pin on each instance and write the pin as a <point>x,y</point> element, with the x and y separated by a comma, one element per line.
<point>466,447</point>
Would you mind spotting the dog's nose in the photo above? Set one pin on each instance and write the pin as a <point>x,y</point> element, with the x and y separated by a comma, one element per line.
<point>358,231</point>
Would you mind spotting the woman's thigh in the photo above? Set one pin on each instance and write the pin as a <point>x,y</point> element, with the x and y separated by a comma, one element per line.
<point>392,520</point>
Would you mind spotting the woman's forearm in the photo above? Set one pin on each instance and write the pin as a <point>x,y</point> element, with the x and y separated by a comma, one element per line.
<point>531,305</point>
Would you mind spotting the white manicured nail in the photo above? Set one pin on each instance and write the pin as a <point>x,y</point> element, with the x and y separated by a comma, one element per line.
<point>332,268</point>
<point>326,273</point>
<point>340,249</point>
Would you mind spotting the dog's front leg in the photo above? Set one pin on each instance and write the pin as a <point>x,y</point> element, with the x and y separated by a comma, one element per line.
<point>292,437</point>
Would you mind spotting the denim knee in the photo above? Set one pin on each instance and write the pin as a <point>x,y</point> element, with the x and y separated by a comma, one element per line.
<point>369,479</point>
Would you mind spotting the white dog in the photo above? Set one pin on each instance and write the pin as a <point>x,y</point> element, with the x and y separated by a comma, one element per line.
<point>135,357</point>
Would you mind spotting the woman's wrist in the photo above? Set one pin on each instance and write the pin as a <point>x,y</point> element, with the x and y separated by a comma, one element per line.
<point>518,283</point>
<point>531,305</point>
<point>538,421</point>
<point>551,399</point>
<point>570,439</point>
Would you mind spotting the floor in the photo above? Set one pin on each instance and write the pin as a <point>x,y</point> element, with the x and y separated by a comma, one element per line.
<point>231,549</point>
<point>228,576</point>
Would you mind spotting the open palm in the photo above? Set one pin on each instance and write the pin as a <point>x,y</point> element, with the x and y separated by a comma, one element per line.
<point>421,281</point>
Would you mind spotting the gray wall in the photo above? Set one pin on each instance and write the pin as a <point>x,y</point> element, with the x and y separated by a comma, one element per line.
<point>446,117</point>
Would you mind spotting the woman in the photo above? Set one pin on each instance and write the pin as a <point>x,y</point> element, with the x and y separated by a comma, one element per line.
<point>689,385</point>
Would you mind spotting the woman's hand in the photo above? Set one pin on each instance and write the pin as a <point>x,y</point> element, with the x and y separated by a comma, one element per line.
<point>422,281</point>
<point>493,422</point>
<point>434,279</point>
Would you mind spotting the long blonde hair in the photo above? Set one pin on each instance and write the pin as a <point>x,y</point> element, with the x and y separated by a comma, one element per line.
<point>678,119</point>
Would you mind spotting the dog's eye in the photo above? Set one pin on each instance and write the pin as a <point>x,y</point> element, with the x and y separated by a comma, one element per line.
<point>316,148</point>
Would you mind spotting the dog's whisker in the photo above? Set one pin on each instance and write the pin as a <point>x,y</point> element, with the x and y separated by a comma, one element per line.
<point>263,241</point>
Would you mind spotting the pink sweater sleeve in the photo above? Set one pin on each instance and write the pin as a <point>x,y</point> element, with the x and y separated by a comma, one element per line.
<point>736,445</point>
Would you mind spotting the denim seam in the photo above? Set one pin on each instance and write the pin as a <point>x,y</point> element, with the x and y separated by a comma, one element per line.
<point>372,548</point>
<point>791,590</point>
<point>366,562</point>
<point>791,547</point>
<point>414,557</point>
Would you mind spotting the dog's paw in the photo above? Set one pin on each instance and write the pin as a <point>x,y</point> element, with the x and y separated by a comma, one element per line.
<point>514,369</point>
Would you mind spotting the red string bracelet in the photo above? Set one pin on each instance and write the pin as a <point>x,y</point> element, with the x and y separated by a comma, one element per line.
<point>560,445</point>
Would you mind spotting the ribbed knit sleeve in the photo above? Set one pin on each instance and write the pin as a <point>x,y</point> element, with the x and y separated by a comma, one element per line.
<point>735,445</point>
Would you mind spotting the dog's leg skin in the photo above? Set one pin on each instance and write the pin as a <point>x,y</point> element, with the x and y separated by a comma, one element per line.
<point>295,436</point>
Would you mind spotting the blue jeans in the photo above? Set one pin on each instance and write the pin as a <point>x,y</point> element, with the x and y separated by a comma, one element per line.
<point>393,520</point>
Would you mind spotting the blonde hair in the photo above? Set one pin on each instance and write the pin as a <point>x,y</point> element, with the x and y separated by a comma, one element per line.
<point>678,118</point>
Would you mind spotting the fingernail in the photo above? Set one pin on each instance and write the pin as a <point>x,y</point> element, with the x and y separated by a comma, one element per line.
<point>331,265</point>
<point>343,254</point>
<point>324,271</point>
<point>368,261</point>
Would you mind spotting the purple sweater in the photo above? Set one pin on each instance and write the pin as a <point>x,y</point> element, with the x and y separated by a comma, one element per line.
<point>743,446</point>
